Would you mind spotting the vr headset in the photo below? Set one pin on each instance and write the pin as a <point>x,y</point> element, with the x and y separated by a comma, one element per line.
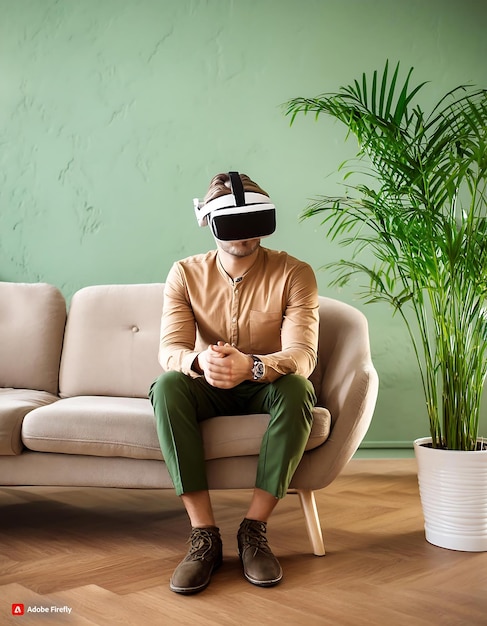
<point>238,215</point>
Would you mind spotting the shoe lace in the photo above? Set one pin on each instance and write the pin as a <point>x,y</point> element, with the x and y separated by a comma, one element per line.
<point>253,537</point>
<point>202,544</point>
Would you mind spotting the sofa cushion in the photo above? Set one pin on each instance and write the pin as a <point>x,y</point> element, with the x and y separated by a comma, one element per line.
<point>112,341</point>
<point>32,318</point>
<point>94,425</point>
<point>14,405</point>
<point>125,427</point>
<point>223,439</point>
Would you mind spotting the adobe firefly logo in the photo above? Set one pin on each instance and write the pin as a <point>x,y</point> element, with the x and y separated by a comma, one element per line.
<point>17,609</point>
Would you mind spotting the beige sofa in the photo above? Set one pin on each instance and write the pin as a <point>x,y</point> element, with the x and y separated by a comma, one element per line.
<point>73,396</point>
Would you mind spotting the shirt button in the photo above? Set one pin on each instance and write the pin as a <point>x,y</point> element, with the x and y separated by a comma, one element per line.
<point>135,329</point>
<point>234,320</point>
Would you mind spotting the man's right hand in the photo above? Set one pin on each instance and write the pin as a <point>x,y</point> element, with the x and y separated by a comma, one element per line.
<point>224,366</point>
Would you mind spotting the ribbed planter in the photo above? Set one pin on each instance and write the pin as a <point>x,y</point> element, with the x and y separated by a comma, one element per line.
<point>453,491</point>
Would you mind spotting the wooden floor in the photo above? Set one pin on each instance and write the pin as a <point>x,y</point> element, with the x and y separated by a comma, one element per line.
<point>108,554</point>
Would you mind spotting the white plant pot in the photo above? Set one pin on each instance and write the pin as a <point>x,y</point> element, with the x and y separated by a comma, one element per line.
<point>453,491</point>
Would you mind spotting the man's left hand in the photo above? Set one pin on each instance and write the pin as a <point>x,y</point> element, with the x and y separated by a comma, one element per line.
<point>226,367</point>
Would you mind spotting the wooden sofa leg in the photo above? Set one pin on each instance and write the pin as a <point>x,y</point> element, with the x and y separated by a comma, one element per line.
<point>308,504</point>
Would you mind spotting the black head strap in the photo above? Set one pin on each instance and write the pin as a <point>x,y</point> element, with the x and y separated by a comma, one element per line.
<point>237,188</point>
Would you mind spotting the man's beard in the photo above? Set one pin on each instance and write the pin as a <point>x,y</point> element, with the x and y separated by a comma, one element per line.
<point>240,248</point>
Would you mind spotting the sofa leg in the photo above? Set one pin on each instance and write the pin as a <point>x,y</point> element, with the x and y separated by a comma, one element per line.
<point>308,504</point>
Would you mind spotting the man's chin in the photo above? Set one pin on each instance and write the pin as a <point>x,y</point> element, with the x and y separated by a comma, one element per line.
<point>242,248</point>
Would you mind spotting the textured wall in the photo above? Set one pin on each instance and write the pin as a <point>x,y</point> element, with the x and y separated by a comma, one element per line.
<point>114,114</point>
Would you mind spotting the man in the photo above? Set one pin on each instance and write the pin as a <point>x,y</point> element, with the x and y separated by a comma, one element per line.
<point>238,336</point>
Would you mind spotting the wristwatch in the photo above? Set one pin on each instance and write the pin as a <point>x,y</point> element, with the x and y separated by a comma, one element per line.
<point>258,368</point>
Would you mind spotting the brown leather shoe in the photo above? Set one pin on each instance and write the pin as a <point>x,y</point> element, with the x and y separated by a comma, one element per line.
<point>260,566</point>
<point>204,556</point>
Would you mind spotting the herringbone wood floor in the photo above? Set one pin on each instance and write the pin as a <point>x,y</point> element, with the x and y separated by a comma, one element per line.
<point>108,555</point>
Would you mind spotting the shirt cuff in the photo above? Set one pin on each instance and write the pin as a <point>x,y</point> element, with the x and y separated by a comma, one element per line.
<point>187,362</point>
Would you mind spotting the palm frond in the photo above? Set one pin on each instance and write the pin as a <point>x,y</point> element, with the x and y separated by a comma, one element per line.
<point>424,221</point>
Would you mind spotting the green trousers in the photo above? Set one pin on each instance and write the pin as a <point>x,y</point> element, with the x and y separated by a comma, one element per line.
<point>181,403</point>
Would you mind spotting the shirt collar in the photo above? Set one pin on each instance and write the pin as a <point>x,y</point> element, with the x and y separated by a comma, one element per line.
<point>254,268</point>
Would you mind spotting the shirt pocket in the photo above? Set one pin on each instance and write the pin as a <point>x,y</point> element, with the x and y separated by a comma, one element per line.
<point>265,331</point>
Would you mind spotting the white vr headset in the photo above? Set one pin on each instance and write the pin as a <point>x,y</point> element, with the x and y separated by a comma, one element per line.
<point>238,215</point>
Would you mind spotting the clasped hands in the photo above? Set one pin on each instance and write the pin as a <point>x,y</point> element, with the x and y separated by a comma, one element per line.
<point>224,366</point>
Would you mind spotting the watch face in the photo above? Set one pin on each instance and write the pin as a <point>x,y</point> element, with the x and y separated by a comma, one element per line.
<point>258,369</point>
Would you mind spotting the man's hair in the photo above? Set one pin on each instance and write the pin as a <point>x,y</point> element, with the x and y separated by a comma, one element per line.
<point>220,186</point>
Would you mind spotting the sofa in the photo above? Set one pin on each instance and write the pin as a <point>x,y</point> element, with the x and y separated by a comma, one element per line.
<point>74,407</point>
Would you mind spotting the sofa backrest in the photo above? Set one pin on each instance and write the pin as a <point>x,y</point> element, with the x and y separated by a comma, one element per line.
<point>32,319</point>
<point>112,340</point>
<point>343,352</point>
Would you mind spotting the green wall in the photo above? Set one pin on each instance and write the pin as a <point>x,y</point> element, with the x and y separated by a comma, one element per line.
<point>114,114</point>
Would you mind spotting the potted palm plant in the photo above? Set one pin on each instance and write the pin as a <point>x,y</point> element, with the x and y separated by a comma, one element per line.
<point>422,219</point>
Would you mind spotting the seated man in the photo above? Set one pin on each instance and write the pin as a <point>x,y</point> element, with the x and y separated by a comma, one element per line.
<point>238,336</point>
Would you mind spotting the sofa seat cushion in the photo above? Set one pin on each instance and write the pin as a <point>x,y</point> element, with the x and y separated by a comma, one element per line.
<point>95,426</point>
<point>223,438</point>
<point>14,405</point>
<point>125,427</point>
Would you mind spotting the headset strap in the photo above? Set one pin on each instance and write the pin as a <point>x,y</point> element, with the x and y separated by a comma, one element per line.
<point>227,201</point>
<point>237,188</point>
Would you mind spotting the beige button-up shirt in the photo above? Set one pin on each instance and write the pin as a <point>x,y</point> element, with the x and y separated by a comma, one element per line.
<point>270,312</point>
